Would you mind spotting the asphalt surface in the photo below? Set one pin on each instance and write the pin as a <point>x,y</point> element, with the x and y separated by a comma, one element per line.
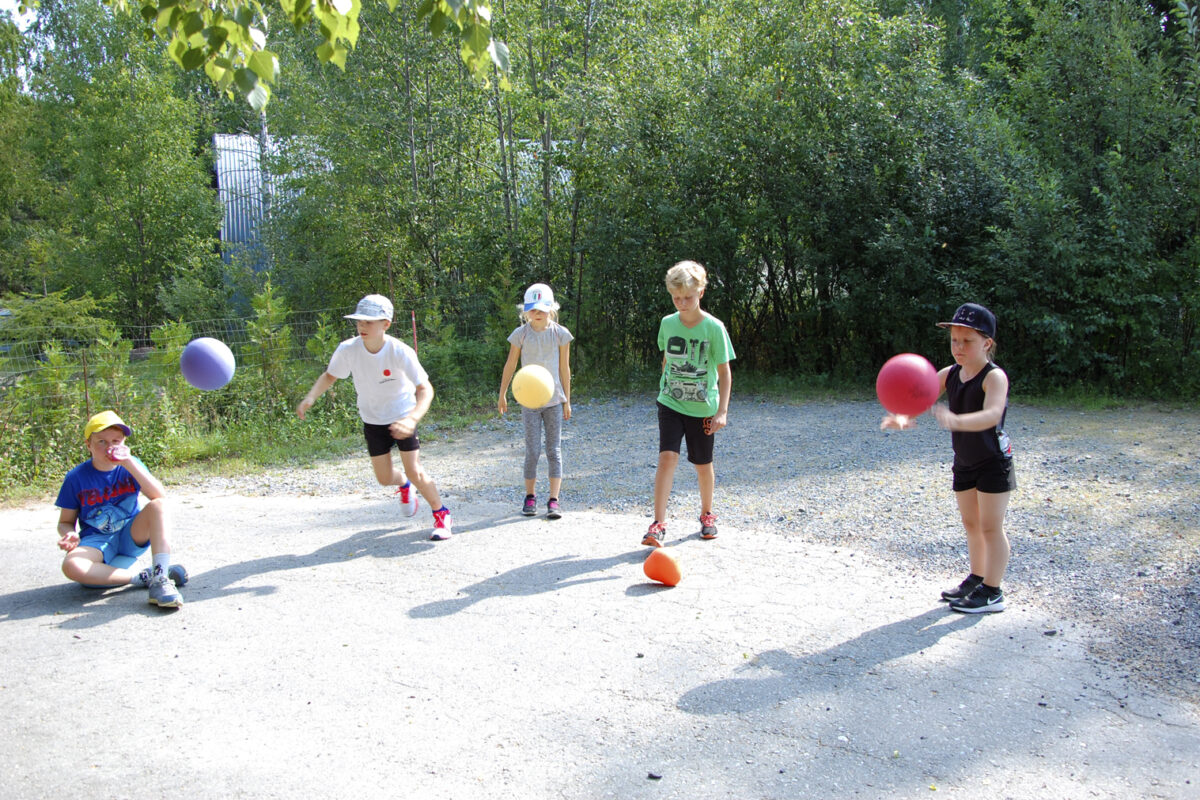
<point>326,648</point>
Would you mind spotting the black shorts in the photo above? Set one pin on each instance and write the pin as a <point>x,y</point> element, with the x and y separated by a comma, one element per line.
<point>380,441</point>
<point>674,428</point>
<point>991,477</point>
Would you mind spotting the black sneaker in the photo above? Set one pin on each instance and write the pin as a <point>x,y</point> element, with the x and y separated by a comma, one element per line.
<point>981,601</point>
<point>961,591</point>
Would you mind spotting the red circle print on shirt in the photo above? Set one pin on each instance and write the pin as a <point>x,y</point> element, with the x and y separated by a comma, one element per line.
<point>387,372</point>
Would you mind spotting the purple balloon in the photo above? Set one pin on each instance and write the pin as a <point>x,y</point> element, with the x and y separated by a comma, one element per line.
<point>207,363</point>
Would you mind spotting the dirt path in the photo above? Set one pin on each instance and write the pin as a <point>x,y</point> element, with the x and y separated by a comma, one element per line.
<point>327,648</point>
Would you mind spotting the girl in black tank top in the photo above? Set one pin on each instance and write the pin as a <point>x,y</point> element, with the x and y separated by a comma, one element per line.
<point>972,448</point>
<point>983,467</point>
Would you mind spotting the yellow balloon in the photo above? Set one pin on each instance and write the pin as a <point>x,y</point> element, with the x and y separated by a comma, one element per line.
<point>533,386</point>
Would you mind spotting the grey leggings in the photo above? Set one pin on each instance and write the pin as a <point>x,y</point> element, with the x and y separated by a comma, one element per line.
<point>551,418</point>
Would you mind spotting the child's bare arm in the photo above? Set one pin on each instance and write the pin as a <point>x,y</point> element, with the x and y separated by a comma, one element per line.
<point>404,428</point>
<point>151,486</point>
<point>564,377</point>
<point>510,368</point>
<point>724,390</point>
<point>995,399</point>
<point>68,537</point>
<point>319,388</point>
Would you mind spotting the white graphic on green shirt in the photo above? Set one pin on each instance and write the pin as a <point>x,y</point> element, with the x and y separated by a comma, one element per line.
<point>687,370</point>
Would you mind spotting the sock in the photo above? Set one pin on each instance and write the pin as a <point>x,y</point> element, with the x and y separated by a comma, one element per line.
<point>991,590</point>
<point>529,496</point>
<point>976,578</point>
<point>162,563</point>
<point>555,499</point>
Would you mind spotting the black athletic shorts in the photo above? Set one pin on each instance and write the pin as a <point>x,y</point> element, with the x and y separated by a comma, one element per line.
<point>380,441</point>
<point>991,477</point>
<point>674,428</point>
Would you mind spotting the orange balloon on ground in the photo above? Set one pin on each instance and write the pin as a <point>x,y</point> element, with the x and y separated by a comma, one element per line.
<point>661,566</point>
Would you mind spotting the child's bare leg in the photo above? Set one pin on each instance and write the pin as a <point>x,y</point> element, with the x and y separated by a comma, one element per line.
<point>86,565</point>
<point>416,474</point>
<point>706,476</point>
<point>385,471</point>
<point>968,508</point>
<point>987,545</point>
<point>555,486</point>
<point>995,543</point>
<point>150,526</point>
<point>664,478</point>
<point>531,484</point>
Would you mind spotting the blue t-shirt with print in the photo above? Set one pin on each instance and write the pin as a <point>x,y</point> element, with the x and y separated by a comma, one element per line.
<point>106,501</point>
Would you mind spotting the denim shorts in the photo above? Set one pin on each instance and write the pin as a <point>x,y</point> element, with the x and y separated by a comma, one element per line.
<point>111,545</point>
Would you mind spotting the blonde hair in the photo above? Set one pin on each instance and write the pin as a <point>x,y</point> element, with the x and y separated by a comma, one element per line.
<point>524,315</point>
<point>687,275</point>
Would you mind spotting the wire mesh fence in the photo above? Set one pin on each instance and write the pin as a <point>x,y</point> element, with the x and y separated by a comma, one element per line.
<point>34,360</point>
<point>53,377</point>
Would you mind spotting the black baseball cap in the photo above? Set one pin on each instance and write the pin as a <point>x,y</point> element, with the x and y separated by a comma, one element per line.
<point>974,316</point>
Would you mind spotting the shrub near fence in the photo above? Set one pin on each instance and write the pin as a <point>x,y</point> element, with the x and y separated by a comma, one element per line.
<point>49,386</point>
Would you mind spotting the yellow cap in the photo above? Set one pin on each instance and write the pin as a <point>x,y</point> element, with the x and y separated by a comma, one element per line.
<point>103,420</point>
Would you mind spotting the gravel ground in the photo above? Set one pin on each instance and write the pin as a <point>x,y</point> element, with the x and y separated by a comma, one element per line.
<point>1105,524</point>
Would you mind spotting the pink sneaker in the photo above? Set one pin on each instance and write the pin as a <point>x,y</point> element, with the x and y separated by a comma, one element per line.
<point>656,535</point>
<point>407,495</point>
<point>442,525</point>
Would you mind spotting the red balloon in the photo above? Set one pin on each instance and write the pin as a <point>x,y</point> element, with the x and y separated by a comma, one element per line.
<point>907,384</point>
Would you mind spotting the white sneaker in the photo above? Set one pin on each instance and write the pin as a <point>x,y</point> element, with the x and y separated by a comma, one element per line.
<point>408,498</point>
<point>442,525</point>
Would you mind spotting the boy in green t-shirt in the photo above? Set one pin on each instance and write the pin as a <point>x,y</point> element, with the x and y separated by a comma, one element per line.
<point>693,395</point>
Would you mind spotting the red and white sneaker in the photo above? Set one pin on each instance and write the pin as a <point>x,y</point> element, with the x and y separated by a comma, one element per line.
<point>407,495</point>
<point>442,525</point>
<point>656,535</point>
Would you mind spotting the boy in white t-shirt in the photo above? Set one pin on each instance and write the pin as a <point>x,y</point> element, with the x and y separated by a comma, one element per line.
<point>394,393</point>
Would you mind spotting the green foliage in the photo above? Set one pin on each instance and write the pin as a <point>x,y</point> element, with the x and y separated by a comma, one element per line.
<point>848,177</point>
<point>270,338</point>
<point>227,39</point>
<point>54,318</point>
<point>84,366</point>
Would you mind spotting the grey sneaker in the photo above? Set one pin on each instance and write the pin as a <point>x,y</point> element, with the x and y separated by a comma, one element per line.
<point>708,525</point>
<point>177,573</point>
<point>530,507</point>
<point>163,593</point>
<point>552,510</point>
